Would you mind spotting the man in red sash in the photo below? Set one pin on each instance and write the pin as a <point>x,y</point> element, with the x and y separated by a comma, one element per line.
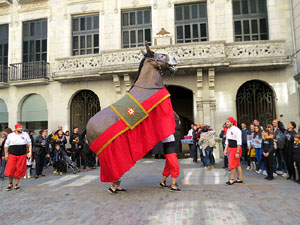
<point>16,153</point>
<point>233,146</point>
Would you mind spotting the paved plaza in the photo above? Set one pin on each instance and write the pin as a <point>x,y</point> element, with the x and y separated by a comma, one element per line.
<point>82,199</point>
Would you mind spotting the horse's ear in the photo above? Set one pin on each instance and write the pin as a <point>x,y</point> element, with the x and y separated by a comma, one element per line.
<point>149,52</point>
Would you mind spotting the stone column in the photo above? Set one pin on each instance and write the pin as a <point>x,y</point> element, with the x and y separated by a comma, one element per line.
<point>117,83</point>
<point>212,100</point>
<point>198,96</point>
<point>127,82</point>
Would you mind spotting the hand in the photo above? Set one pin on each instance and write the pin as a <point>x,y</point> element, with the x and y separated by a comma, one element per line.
<point>225,153</point>
<point>257,141</point>
<point>237,155</point>
<point>6,156</point>
<point>48,156</point>
<point>266,154</point>
<point>3,157</point>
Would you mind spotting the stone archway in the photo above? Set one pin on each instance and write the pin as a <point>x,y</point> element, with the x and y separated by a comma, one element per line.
<point>3,115</point>
<point>182,102</point>
<point>255,100</point>
<point>84,105</point>
<point>34,112</point>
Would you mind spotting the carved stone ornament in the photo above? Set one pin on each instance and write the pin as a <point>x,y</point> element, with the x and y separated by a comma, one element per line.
<point>186,54</point>
<point>84,8</point>
<point>199,106</point>
<point>163,32</point>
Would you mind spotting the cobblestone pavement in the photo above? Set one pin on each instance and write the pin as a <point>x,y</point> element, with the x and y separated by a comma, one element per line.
<point>82,199</point>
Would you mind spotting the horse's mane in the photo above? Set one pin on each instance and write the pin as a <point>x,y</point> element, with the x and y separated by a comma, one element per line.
<point>139,72</point>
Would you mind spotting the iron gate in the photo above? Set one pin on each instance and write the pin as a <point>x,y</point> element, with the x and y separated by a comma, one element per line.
<point>255,100</point>
<point>85,104</point>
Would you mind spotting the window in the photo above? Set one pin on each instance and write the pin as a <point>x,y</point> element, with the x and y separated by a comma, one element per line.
<point>85,35</point>
<point>4,44</point>
<point>136,28</point>
<point>35,40</point>
<point>250,20</point>
<point>191,23</point>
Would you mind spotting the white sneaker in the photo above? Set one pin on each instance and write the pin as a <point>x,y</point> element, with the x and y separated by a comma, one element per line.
<point>285,175</point>
<point>258,171</point>
<point>54,171</point>
<point>274,174</point>
<point>25,177</point>
<point>265,173</point>
<point>248,168</point>
<point>279,172</point>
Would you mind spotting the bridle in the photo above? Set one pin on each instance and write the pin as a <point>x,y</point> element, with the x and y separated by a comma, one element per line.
<point>156,59</point>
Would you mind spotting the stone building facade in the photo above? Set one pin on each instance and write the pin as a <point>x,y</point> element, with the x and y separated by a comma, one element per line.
<point>63,60</point>
<point>295,12</point>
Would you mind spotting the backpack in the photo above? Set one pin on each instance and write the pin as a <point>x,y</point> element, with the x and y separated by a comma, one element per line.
<point>212,142</point>
<point>280,141</point>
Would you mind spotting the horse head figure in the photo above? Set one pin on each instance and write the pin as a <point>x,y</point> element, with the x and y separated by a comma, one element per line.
<point>147,83</point>
<point>152,68</point>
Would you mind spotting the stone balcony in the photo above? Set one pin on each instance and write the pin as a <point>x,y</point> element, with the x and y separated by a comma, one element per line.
<point>266,54</point>
<point>28,1</point>
<point>5,3</point>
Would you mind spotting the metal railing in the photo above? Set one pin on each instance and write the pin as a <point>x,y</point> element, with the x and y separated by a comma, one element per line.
<point>4,71</point>
<point>29,70</point>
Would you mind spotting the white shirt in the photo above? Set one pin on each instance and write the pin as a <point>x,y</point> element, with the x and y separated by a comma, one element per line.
<point>234,133</point>
<point>20,139</point>
<point>190,133</point>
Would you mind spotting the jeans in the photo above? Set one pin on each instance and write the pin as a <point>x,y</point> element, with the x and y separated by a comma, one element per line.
<point>260,161</point>
<point>281,162</point>
<point>2,168</point>
<point>208,160</point>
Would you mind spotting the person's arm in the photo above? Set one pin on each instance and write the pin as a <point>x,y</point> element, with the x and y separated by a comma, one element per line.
<point>226,146</point>
<point>271,147</point>
<point>6,153</point>
<point>221,134</point>
<point>239,144</point>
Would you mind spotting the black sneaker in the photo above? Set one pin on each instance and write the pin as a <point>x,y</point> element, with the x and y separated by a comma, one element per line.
<point>229,183</point>
<point>163,185</point>
<point>110,190</point>
<point>238,181</point>
<point>175,189</point>
<point>17,188</point>
<point>9,188</point>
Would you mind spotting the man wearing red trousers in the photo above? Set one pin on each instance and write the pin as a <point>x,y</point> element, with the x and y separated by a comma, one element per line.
<point>233,146</point>
<point>171,166</point>
<point>15,148</point>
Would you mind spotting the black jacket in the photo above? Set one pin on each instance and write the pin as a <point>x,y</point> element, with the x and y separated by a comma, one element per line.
<point>267,145</point>
<point>37,145</point>
<point>245,133</point>
<point>296,151</point>
<point>75,146</point>
<point>289,137</point>
<point>61,141</point>
<point>2,148</point>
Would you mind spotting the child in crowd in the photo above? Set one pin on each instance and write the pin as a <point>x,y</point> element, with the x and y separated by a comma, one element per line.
<point>268,150</point>
<point>252,157</point>
<point>296,154</point>
<point>58,159</point>
<point>29,166</point>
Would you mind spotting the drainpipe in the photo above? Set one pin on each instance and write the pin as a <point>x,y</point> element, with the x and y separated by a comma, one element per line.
<point>294,41</point>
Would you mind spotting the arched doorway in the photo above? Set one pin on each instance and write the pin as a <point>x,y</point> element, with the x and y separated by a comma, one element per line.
<point>255,100</point>
<point>85,104</point>
<point>3,115</point>
<point>182,102</point>
<point>34,113</point>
